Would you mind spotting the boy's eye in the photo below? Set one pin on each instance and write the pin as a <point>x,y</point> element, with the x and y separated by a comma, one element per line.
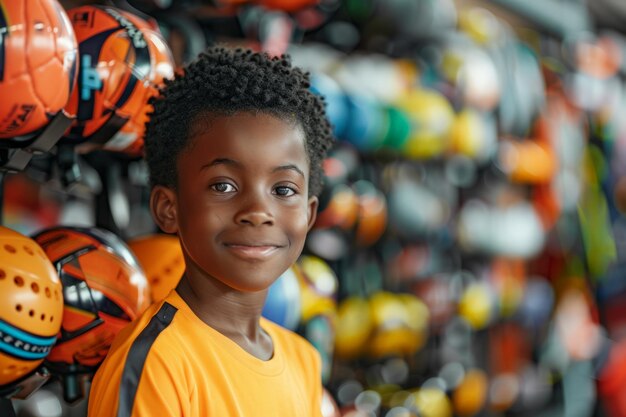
<point>284,191</point>
<point>223,187</point>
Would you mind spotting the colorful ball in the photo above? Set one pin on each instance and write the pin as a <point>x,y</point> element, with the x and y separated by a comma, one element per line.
<point>319,285</point>
<point>476,305</point>
<point>336,106</point>
<point>283,303</point>
<point>399,324</point>
<point>470,395</point>
<point>432,402</point>
<point>372,220</point>
<point>398,128</point>
<point>474,134</point>
<point>367,122</point>
<point>431,118</point>
<point>339,207</point>
<point>354,324</point>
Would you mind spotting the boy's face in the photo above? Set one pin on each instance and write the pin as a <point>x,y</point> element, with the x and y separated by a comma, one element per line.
<point>242,209</point>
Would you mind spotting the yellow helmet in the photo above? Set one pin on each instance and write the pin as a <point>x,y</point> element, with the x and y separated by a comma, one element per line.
<point>31,309</point>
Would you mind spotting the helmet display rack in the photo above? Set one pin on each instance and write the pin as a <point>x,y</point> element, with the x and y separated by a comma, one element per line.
<point>15,154</point>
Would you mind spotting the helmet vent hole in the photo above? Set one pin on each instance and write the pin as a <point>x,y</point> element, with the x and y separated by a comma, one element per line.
<point>18,308</point>
<point>3,274</point>
<point>155,280</point>
<point>35,287</point>
<point>42,317</point>
<point>56,294</point>
<point>48,293</point>
<point>167,271</point>
<point>28,250</point>
<point>19,281</point>
<point>51,319</point>
<point>31,313</point>
<point>9,249</point>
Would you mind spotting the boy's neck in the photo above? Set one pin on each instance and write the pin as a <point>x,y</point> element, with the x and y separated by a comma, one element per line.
<point>233,313</point>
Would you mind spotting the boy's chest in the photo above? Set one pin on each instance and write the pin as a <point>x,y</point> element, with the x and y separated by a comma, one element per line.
<point>243,394</point>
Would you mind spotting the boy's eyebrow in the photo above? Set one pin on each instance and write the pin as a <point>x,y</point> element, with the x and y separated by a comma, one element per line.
<point>220,161</point>
<point>232,162</point>
<point>289,167</point>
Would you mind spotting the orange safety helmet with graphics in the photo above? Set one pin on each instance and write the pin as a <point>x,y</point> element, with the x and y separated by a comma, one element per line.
<point>123,61</point>
<point>38,65</point>
<point>31,309</point>
<point>104,288</point>
<point>161,258</point>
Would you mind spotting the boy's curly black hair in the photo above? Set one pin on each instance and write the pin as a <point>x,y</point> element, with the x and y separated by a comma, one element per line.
<point>224,81</point>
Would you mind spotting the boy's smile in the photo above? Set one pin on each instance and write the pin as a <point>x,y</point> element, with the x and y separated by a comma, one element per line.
<point>242,204</point>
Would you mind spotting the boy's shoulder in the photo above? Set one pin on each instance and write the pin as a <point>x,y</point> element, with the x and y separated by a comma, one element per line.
<point>126,337</point>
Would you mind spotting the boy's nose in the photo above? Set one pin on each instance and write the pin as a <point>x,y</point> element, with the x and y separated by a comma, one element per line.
<point>255,213</point>
<point>254,218</point>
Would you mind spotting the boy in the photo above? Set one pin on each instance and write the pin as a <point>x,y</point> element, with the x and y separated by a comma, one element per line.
<point>234,147</point>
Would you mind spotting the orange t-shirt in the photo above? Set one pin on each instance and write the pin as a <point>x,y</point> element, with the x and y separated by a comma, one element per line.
<point>170,363</point>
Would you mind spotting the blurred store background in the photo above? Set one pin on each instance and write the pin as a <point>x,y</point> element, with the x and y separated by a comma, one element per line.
<point>469,257</point>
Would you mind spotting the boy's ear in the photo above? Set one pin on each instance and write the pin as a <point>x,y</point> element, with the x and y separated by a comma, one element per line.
<point>163,206</point>
<point>313,203</point>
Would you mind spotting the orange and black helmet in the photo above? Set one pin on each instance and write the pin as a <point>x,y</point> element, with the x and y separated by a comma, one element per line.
<point>104,288</point>
<point>31,306</point>
<point>122,61</point>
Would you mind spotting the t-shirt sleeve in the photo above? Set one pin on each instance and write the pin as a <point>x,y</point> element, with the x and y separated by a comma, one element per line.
<point>118,392</point>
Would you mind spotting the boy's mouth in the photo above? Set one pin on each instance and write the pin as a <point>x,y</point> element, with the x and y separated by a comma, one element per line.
<point>252,251</point>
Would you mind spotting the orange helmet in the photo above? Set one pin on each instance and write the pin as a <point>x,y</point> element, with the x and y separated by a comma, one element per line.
<point>104,289</point>
<point>32,306</point>
<point>38,65</point>
<point>123,60</point>
<point>162,260</point>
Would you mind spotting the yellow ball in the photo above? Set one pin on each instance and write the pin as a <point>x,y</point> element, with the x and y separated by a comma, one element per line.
<point>390,325</point>
<point>476,305</point>
<point>354,325</point>
<point>431,118</point>
<point>473,135</point>
<point>433,402</point>
<point>419,316</point>
<point>318,285</point>
<point>400,323</point>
